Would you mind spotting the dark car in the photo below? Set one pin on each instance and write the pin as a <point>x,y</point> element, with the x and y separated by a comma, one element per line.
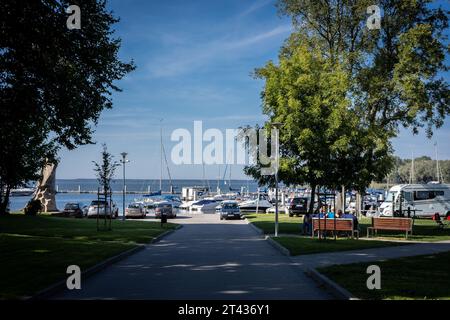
<point>75,210</point>
<point>297,206</point>
<point>229,210</point>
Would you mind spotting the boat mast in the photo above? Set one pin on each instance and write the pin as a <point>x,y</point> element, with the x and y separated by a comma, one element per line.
<point>411,174</point>
<point>218,181</point>
<point>167,167</point>
<point>161,158</point>
<point>229,179</point>
<point>437,163</point>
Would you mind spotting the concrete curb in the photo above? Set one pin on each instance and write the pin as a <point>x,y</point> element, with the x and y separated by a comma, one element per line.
<point>61,285</point>
<point>165,234</point>
<point>278,246</point>
<point>272,242</point>
<point>258,230</point>
<point>335,289</point>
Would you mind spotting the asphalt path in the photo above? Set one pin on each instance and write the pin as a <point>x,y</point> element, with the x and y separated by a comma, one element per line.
<point>206,259</point>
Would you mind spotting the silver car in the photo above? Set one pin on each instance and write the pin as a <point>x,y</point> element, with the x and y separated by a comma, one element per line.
<point>135,210</point>
<point>164,208</point>
<point>102,208</point>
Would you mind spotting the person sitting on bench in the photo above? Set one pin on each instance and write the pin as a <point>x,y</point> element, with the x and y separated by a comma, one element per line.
<point>351,216</point>
<point>438,220</point>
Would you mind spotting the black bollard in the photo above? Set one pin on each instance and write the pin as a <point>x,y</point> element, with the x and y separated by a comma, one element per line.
<point>163,219</point>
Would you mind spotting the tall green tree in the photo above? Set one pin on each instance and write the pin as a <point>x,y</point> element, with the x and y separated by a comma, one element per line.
<point>54,82</point>
<point>322,141</point>
<point>396,72</point>
<point>389,77</point>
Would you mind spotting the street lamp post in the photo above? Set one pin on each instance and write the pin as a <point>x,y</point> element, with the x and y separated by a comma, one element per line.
<point>124,161</point>
<point>277,126</point>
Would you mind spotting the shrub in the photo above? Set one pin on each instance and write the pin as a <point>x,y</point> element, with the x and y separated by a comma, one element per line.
<point>33,207</point>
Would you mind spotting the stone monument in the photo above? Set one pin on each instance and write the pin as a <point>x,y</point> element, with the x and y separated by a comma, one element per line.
<point>46,190</point>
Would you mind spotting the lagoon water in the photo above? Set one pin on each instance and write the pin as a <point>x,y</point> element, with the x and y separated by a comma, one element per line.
<point>136,185</point>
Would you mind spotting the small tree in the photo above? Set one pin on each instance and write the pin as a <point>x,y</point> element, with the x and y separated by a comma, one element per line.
<point>106,169</point>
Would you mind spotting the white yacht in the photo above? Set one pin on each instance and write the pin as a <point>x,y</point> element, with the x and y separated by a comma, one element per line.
<point>22,192</point>
<point>204,205</point>
<point>260,203</point>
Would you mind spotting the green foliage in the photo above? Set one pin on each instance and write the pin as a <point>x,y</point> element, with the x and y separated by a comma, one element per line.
<point>47,245</point>
<point>343,90</point>
<point>33,207</point>
<point>323,141</point>
<point>54,82</point>
<point>424,170</point>
<point>394,71</point>
<point>402,278</point>
<point>106,169</point>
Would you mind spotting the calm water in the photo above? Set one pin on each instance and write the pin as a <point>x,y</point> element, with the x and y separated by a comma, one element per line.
<point>17,203</point>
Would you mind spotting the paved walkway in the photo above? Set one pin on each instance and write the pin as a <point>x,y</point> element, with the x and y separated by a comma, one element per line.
<point>206,259</point>
<point>375,254</point>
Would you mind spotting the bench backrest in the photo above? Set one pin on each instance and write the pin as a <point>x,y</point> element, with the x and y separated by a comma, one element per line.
<point>341,224</point>
<point>392,223</point>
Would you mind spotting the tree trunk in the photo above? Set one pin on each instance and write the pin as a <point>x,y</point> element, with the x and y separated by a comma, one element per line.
<point>46,190</point>
<point>313,195</point>
<point>4,201</point>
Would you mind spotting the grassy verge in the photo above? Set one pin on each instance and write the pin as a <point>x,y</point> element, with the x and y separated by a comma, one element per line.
<point>286,224</point>
<point>421,277</point>
<point>35,251</point>
<point>302,245</point>
<point>424,229</point>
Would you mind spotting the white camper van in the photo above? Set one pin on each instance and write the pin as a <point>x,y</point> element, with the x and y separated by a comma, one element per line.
<point>425,199</point>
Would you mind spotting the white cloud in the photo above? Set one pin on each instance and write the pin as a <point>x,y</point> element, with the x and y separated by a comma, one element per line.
<point>187,59</point>
<point>255,6</point>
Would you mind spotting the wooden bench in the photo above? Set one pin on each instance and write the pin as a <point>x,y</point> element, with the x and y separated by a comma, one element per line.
<point>338,224</point>
<point>397,224</point>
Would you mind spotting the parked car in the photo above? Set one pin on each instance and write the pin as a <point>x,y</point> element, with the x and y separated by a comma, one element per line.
<point>164,208</point>
<point>149,207</point>
<point>297,206</point>
<point>230,209</point>
<point>102,208</point>
<point>281,209</point>
<point>74,210</point>
<point>135,210</point>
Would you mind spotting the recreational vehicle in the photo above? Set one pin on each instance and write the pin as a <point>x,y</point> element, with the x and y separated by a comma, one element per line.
<point>422,200</point>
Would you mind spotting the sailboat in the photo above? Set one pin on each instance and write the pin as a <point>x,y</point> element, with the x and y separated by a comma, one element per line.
<point>439,175</point>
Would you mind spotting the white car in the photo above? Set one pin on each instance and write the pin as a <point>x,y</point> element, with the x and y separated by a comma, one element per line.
<point>281,209</point>
<point>102,208</point>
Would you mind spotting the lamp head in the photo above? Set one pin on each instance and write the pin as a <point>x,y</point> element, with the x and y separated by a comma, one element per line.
<point>277,125</point>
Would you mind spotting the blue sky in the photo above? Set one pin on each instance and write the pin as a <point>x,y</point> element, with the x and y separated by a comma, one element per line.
<point>194,60</point>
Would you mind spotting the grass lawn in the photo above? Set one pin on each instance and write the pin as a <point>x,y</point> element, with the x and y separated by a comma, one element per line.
<point>35,251</point>
<point>266,222</point>
<point>421,277</point>
<point>424,229</point>
<point>303,245</point>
